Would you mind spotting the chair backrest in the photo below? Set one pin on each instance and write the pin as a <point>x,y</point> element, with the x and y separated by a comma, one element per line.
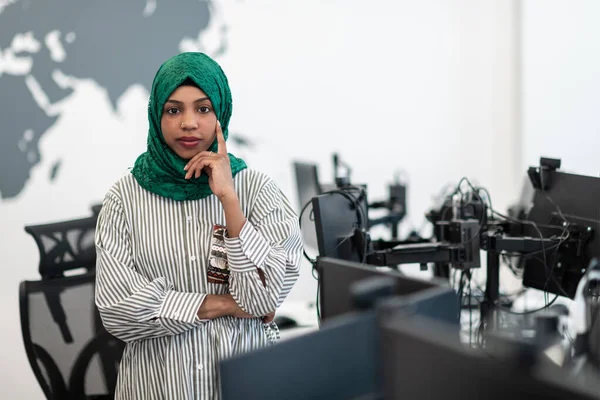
<point>70,352</point>
<point>65,245</point>
<point>96,208</point>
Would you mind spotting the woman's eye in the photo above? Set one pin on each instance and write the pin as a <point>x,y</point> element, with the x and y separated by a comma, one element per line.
<point>204,109</point>
<point>172,111</point>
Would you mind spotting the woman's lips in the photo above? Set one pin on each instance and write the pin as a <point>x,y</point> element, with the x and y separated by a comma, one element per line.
<point>189,141</point>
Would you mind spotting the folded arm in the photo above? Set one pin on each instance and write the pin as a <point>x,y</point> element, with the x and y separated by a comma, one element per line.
<point>264,257</point>
<point>131,306</point>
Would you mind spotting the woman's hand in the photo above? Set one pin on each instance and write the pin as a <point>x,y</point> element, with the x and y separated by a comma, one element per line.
<point>218,168</point>
<point>215,165</point>
<point>268,318</point>
<point>239,313</point>
<point>236,311</point>
<point>220,305</point>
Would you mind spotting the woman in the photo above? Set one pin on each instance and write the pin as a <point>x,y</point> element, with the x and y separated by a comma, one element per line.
<point>195,251</point>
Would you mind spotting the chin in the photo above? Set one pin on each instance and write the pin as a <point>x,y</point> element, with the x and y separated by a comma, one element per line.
<point>187,155</point>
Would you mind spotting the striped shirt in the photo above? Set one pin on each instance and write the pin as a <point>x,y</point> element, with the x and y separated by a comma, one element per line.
<point>157,259</point>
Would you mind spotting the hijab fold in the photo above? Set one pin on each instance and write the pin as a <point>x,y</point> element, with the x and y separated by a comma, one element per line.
<point>160,170</point>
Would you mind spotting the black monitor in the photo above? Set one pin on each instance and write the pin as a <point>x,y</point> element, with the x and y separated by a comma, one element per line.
<point>307,184</point>
<point>561,197</point>
<point>339,361</point>
<point>341,223</point>
<point>336,362</point>
<point>338,278</point>
<point>422,359</point>
<point>307,181</point>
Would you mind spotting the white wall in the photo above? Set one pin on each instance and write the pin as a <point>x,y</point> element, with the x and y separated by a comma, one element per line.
<point>427,87</point>
<point>561,83</point>
<point>423,87</point>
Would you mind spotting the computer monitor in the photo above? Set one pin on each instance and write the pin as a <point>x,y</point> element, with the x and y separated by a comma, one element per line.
<point>422,359</point>
<point>339,361</point>
<point>336,362</point>
<point>338,278</point>
<point>570,198</point>
<point>341,223</point>
<point>307,184</point>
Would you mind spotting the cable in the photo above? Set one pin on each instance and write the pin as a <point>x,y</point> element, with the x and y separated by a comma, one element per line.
<point>483,215</point>
<point>314,270</point>
<point>460,293</point>
<point>572,216</point>
<point>551,272</point>
<point>312,261</point>
<point>509,311</point>
<point>525,222</point>
<point>318,302</point>
<point>562,239</point>
<point>470,315</point>
<point>354,200</point>
<point>508,262</point>
<point>487,194</point>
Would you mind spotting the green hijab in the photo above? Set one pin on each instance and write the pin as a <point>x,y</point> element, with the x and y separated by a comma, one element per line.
<point>160,170</point>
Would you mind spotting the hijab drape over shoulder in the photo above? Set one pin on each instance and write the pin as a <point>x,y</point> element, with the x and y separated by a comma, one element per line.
<point>160,170</point>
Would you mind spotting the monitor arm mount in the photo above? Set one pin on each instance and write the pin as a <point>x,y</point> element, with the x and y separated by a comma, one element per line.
<point>461,241</point>
<point>395,206</point>
<point>341,180</point>
<point>542,177</point>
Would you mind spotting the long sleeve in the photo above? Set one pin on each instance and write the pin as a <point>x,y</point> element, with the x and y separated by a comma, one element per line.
<point>270,240</point>
<point>131,306</point>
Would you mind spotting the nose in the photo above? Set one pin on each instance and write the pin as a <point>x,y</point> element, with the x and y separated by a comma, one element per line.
<point>189,122</point>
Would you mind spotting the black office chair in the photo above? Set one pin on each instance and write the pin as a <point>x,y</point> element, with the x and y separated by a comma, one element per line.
<point>96,209</point>
<point>65,245</point>
<point>70,352</point>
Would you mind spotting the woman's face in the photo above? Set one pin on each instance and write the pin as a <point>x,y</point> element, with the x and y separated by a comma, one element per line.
<point>188,122</point>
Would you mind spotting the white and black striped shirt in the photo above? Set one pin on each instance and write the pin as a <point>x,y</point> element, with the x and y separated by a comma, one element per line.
<point>158,259</point>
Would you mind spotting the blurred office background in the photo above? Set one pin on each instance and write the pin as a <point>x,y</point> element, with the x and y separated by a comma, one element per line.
<point>429,90</point>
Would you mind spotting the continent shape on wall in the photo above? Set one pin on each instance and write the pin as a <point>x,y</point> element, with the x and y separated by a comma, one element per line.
<point>117,45</point>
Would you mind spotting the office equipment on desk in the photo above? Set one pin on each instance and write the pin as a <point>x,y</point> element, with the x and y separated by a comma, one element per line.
<point>325,202</point>
<point>562,204</point>
<point>423,360</point>
<point>307,186</point>
<point>336,362</point>
<point>339,278</point>
<point>340,361</point>
<point>554,243</point>
<point>586,320</point>
<point>341,222</point>
<point>71,354</point>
